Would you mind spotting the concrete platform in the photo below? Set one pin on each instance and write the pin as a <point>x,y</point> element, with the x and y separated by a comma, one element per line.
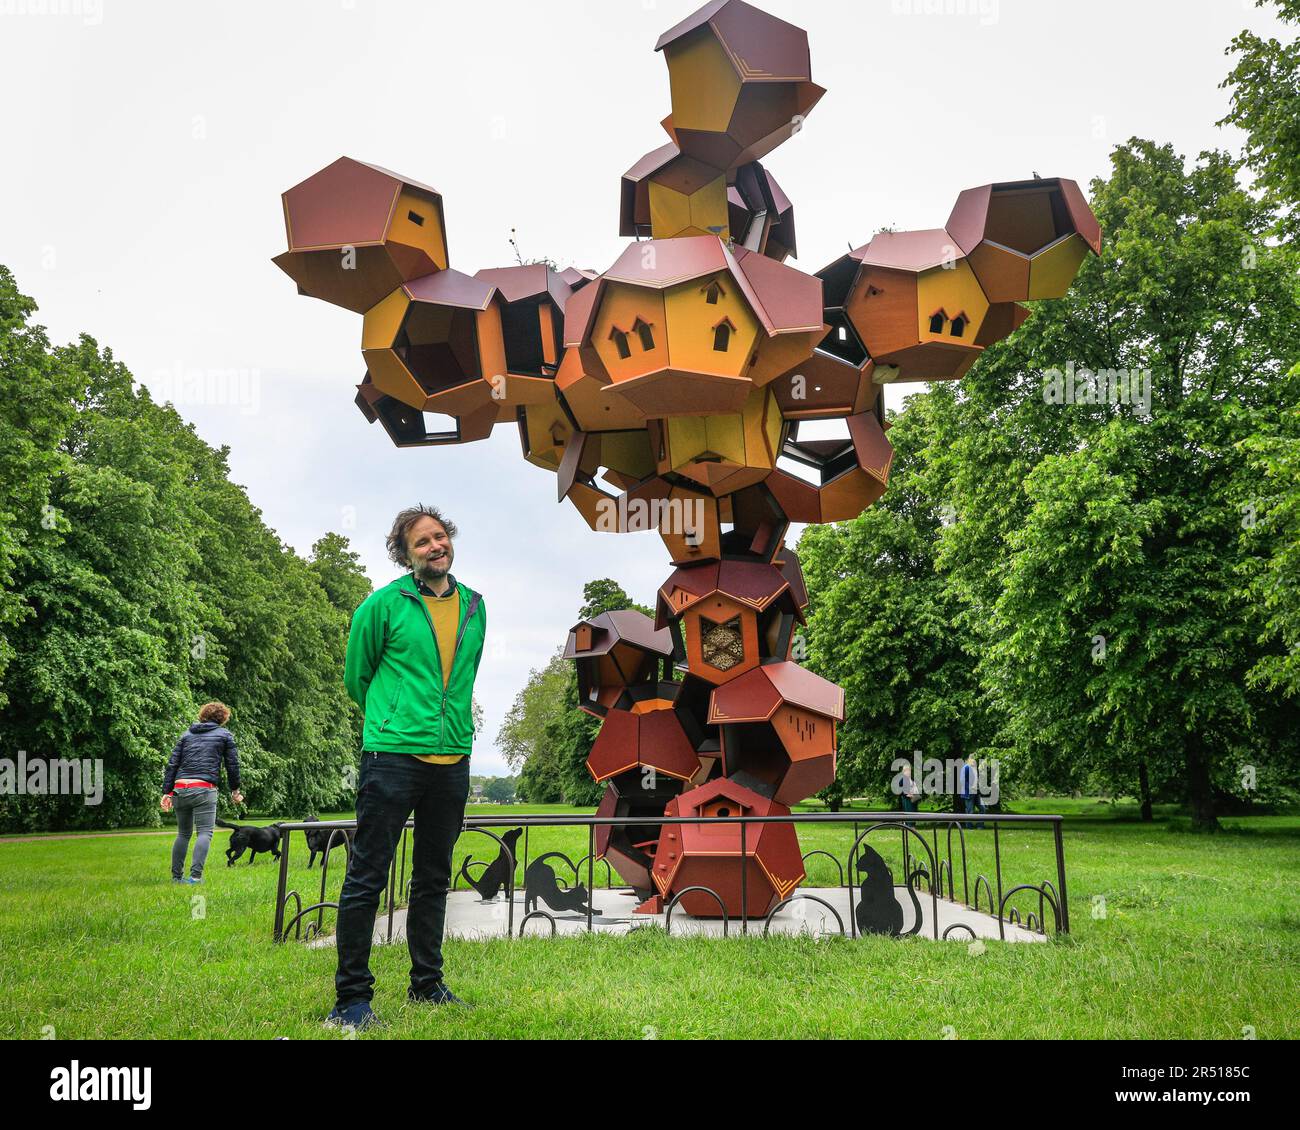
<point>469,917</point>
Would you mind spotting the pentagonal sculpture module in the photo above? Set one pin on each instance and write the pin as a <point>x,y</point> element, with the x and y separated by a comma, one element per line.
<point>700,388</point>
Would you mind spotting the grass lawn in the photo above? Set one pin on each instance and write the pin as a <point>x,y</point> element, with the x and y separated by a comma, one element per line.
<point>1200,938</point>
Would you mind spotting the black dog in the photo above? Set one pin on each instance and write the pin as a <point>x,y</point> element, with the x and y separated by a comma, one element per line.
<point>540,883</point>
<point>495,873</point>
<point>247,837</point>
<point>319,840</point>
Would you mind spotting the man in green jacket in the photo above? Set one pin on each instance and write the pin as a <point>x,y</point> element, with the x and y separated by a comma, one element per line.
<point>413,653</point>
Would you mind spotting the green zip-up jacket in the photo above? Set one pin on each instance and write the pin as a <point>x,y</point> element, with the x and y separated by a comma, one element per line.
<point>394,673</point>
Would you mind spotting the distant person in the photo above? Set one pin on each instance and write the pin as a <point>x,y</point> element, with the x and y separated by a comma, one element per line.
<point>909,790</point>
<point>969,791</point>
<point>413,655</point>
<point>190,786</point>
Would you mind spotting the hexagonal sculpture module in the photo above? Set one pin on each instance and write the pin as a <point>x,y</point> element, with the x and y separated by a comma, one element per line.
<point>435,343</point>
<point>409,427</point>
<point>1025,239</point>
<point>532,324</point>
<point>915,304</point>
<point>630,848</point>
<point>741,83</point>
<point>710,855</point>
<point>723,453</point>
<point>616,651</point>
<point>851,473</point>
<point>778,728</point>
<point>357,231</point>
<point>648,735</point>
<point>687,327</point>
<point>728,617</point>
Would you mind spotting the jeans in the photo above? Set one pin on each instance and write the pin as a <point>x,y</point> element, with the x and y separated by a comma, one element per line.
<point>193,807</point>
<point>971,805</point>
<point>392,786</point>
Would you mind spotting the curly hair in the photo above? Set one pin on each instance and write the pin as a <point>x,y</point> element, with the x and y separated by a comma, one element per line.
<point>217,712</point>
<point>396,540</point>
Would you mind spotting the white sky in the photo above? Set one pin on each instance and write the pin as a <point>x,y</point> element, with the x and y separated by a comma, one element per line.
<point>147,143</point>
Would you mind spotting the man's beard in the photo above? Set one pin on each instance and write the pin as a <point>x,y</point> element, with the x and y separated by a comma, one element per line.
<point>430,571</point>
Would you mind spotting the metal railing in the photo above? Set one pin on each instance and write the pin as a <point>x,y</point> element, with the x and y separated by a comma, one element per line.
<point>942,866</point>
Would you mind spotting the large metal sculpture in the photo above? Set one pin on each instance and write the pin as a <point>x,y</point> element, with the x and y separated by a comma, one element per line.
<point>662,394</point>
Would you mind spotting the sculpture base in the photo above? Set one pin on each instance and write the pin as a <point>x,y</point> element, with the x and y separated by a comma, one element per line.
<point>468,917</point>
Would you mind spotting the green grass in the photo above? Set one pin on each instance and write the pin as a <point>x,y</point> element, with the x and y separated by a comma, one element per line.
<point>1201,938</point>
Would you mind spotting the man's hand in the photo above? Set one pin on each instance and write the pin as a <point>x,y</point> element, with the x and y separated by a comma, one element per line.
<point>166,803</point>
<point>237,797</point>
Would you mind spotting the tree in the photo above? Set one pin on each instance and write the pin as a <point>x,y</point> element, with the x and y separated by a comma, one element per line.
<point>35,413</point>
<point>1272,525</point>
<point>499,790</point>
<point>1097,550</point>
<point>144,583</point>
<point>538,703</point>
<point>1265,86</point>
<point>546,733</point>
<point>339,571</point>
<point>883,625</point>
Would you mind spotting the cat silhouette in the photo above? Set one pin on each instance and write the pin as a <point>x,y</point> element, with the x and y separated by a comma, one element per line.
<point>879,911</point>
<point>495,874</point>
<point>540,883</point>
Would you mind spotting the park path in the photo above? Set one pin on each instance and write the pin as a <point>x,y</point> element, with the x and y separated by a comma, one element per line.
<point>81,836</point>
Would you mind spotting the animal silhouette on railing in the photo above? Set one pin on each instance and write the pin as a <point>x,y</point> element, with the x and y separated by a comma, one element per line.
<point>540,883</point>
<point>496,873</point>
<point>879,911</point>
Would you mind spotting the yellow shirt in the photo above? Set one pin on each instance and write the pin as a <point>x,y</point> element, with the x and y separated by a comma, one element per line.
<point>445,612</point>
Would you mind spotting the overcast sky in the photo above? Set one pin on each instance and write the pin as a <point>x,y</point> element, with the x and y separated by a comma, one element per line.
<point>147,144</point>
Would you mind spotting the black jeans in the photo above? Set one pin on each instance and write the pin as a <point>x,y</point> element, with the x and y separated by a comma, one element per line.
<point>392,786</point>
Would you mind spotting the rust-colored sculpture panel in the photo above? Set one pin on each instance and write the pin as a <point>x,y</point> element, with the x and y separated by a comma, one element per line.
<point>668,393</point>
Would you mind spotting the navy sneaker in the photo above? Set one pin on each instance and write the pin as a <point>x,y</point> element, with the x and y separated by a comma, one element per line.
<point>440,995</point>
<point>359,1016</point>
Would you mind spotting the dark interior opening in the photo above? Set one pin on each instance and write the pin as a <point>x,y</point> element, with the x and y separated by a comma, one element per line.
<point>842,340</point>
<point>521,326</point>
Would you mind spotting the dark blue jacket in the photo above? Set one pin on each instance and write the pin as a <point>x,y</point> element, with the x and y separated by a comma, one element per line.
<point>199,753</point>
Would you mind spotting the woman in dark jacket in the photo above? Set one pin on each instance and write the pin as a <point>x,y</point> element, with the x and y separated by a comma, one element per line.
<point>190,785</point>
